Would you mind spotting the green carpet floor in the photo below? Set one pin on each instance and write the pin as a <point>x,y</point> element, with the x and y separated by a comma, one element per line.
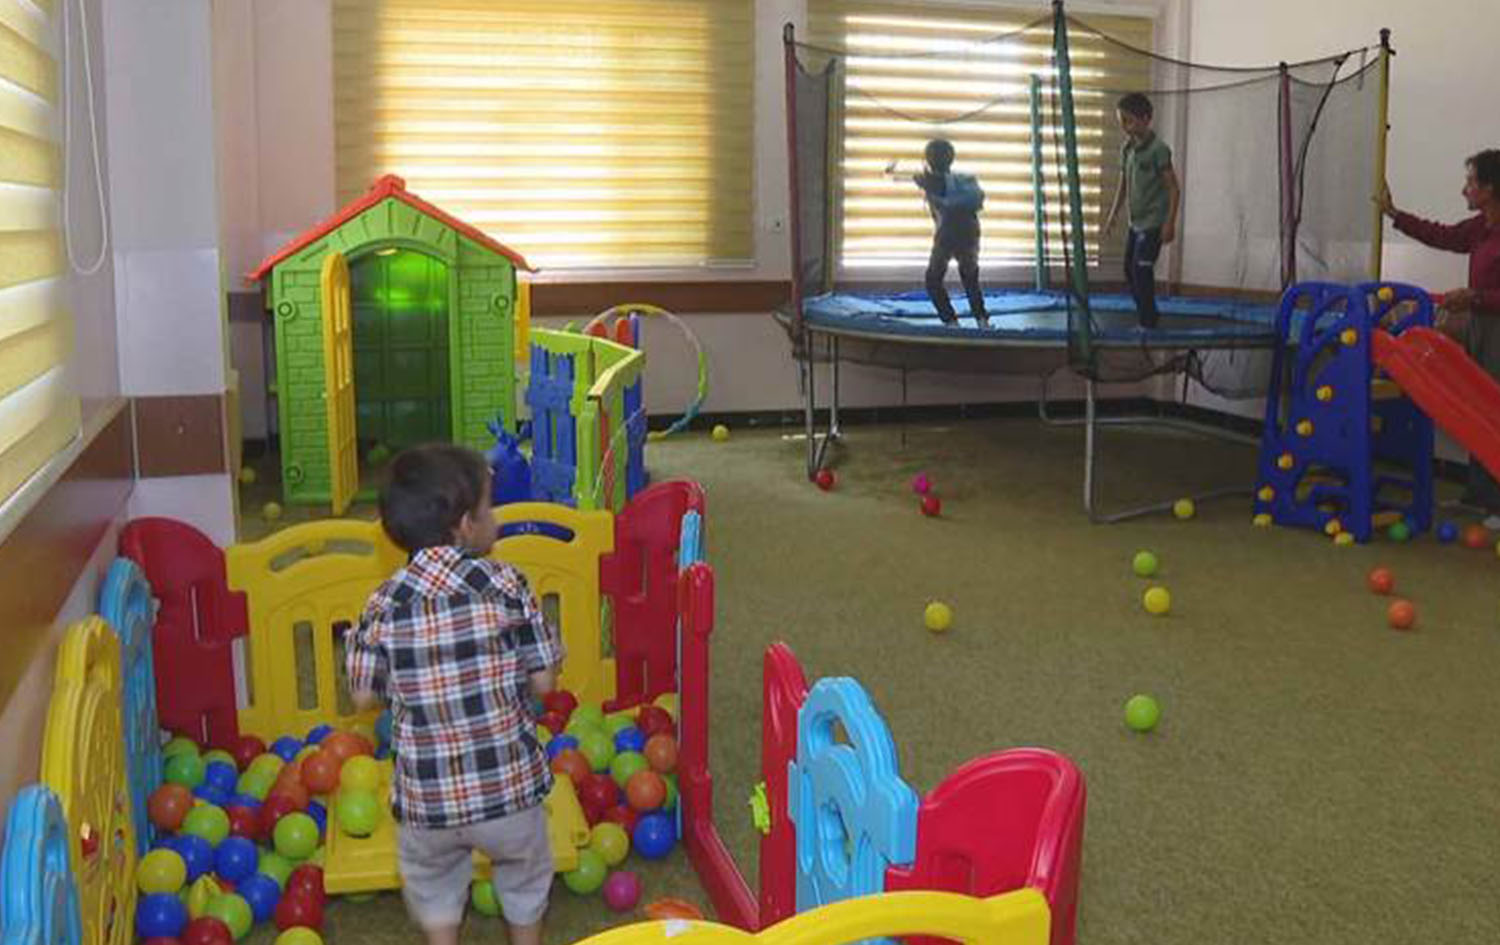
<point>1317,776</point>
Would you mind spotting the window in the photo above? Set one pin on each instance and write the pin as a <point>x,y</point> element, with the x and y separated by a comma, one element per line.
<point>918,71</point>
<point>39,411</point>
<point>581,132</point>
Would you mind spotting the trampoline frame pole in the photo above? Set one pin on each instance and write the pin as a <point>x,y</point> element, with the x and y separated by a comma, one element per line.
<point>1039,203</point>
<point>1288,180</point>
<point>1079,274</point>
<point>1382,132</point>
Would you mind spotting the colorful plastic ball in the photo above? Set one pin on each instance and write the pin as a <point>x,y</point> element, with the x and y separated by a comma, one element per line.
<point>160,914</point>
<point>276,866</point>
<point>286,747</point>
<point>267,763</point>
<point>588,714</point>
<point>932,505</point>
<point>920,484</point>
<point>219,754</point>
<point>305,880</point>
<point>206,930</point>
<point>209,794</point>
<point>616,722</point>
<point>610,841</point>
<point>177,745</point>
<point>276,807</point>
<point>661,753</point>
<point>1402,614</point>
<point>299,910</point>
<point>236,859</point>
<point>243,821</point>
<point>1344,539</point>
<point>296,836</point>
<point>246,749</point>
<point>1142,713</point>
<point>1398,531</point>
<point>255,784</point>
<point>560,744</point>
<point>1381,581</point>
<point>184,768</point>
<point>720,433</point>
<point>560,701</point>
<point>598,748</point>
<point>244,800</point>
<point>654,720</point>
<point>1476,537</point>
<point>168,805</point>
<point>622,890</point>
<point>588,876</point>
<point>222,775</point>
<point>668,703</point>
<point>383,724</point>
<point>937,616</point>
<point>825,479</point>
<point>358,812</point>
<point>271,511</point>
<point>572,763</point>
<point>630,739</point>
<point>261,893</point>
<point>645,791</point>
<point>299,935</point>
<point>319,814</point>
<point>1261,520</point>
<point>482,898</point>
<point>1157,601</point>
<point>199,893</point>
<point>233,911</point>
<point>1447,533</point>
<point>600,791</point>
<point>317,733</point>
<point>360,773</point>
<point>1184,509</point>
<point>623,815</point>
<point>1144,564</point>
<point>627,764</point>
<point>320,772</point>
<point>346,745</point>
<point>207,821</point>
<point>160,871</point>
<point>654,836</point>
<point>196,852</point>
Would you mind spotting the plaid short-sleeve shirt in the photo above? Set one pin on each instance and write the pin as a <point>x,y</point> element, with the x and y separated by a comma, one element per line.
<point>450,641</point>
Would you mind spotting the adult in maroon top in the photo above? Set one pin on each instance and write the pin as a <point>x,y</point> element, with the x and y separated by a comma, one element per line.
<point>1472,313</point>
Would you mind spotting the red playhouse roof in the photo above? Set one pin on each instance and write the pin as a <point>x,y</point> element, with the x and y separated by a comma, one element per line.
<point>388,186</point>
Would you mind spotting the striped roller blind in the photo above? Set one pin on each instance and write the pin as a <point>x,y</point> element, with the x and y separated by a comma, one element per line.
<point>917,71</point>
<point>39,412</point>
<point>580,132</point>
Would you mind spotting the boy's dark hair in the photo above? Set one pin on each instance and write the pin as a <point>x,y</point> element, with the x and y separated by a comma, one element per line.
<point>939,154</point>
<point>1486,166</point>
<point>428,491</point>
<point>1135,104</point>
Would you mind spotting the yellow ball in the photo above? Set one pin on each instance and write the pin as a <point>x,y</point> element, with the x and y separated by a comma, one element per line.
<point>247,475</point>
<point>1349,337</point>
<point>668,701</point>
<point>720,433</point>
<point>271,511</point>
<point>938,616</point>
<point>1386,293</point>
<point>1333,527</point>
<point>1304,428</point>
<point>1286,461</point>
<point>1343,539</point>
<point>1263,520</point>
<point>1158,600</point>
<point>1266,494</point>
<point>1325,393</point>
<point>1184,509</point>
<point>160,871</point>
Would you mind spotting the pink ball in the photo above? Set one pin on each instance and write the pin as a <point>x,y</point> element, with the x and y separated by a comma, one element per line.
<point>622,891</point>
<point>920,484</point>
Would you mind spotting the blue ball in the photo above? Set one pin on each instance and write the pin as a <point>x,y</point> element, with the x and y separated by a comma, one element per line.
<point>383,728</point>
<point>558,743</point>
<point>236,858</point>
<point>630,739</point>
<point>261,893</point>
<point>654,836</point>
<point>196,852</point>
<point>317,733</point>
<point>1447,533</point>
<point>211,794</point>
<point>286,747</point>
<point>222,775</point>
<point>243,800</point>
<point>319,814</point>
<point>160,914</point>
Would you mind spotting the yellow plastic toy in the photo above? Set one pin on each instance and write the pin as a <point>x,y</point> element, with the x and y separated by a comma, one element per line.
<point>1262,520</point>
<point>1016,918</point>
<point>1304,428</point>
<point>83,762</point>
<point>1266,494</point>
<point>1286,461</point>
<point>1324,393</point>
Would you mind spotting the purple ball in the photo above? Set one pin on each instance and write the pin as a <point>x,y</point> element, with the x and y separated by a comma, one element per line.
<point>622,891</point>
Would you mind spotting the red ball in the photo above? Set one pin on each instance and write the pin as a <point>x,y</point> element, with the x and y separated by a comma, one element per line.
<point>1476,536</point>
<point>343,746</point>
<point>599,791</point>
<point>1401,614</point>
<point>206,930</point>
<point>661,753</point>
<point>320,772</point>
<point>562,702</point>
<point>570,761</point>
<point>646,791</point>
<point>825,479</point>
<point>275,807</point>
<point>654,720</point>
<point>1382,581</point>
<point>168,805</point>
<point>624,816</point>
<point>246,749</point>
<point>292,791</point>
<point>299,909</point>
<point>243,822</point>
<point>555,722</point>
<point>306,880</point>
<point>932,506</point>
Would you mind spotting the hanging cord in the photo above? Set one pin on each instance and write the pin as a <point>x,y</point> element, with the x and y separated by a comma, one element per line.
<point>88,76</point>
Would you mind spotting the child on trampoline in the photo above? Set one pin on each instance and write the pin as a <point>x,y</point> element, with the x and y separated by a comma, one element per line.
<point>1150,184</point>
<point>954,200</point>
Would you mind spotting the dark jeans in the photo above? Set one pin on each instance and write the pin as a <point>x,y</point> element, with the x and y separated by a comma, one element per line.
<point>967,254</point>
<point>1141,250</point>
<point>1484,346</point>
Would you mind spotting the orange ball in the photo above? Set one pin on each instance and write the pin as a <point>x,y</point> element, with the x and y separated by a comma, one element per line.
<point>1401,614</point>
<point>320,772</point>
<point>645,791</point>
<point>292,791</point>
<point>570,761</point>
<point>1476,536</point>
<point>290,773</point>
<point>661,753</point>
<point>169,805</point>
<point>1381,581</point>
<point>342,745</point>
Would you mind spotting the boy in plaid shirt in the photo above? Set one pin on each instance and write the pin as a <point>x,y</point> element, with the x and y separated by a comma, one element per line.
<point>456,643</point>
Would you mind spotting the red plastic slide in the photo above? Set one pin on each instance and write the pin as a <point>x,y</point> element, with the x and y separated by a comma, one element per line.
<point>1436,372</point>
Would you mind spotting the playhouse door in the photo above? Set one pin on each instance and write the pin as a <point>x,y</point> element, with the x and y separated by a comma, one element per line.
<point>338,391</point>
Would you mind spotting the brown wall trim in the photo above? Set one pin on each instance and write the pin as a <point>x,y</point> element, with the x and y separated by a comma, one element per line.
<point>180,436</point>
<point>42,558</point>
<point>577,299</point>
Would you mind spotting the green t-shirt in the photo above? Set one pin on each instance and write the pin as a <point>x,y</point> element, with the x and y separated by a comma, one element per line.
<point>1143,166</point>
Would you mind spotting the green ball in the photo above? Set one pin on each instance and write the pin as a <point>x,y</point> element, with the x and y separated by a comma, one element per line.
<point>256,784</point>
<point>598,748</point>
<point>625,764</point>
<point>589,875</point>
<point>219,754</point>
<point>267,764</point>
<point>580,727</point>
<point>1142,713</point>
<point>482,898</point>
<point>1399,531</point>
<point>233,911</point>
<point>617,722</point>
<point>589,714</point>
<point>299,935</point>
<point>184,768</point>
<point>276,865</point>
<point>358,812</point>
<point>610,841</point>
<point>207,821</point>
<point>295,836</point>
<point>178,745</point>
<point>1144,563</point>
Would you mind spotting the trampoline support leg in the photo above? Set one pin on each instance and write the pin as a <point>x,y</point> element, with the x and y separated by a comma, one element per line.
<point>817,443</point>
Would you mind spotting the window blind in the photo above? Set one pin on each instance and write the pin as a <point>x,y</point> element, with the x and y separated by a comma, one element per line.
<point>579,132</point>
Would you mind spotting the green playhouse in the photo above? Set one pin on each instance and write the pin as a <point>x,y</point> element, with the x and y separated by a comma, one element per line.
<point>395,324</point>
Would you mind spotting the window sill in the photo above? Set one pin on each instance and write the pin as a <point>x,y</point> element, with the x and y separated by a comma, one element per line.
<point>97,415</point>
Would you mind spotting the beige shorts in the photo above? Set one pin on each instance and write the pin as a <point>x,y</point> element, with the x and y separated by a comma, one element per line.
<point>436,866</point>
